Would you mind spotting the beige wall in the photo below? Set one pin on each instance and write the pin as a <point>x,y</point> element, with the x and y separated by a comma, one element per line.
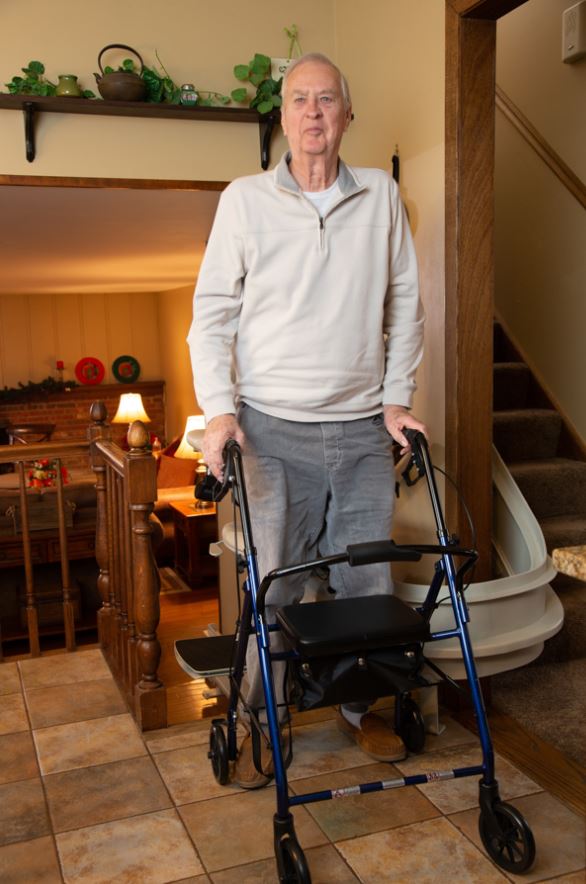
<point>37,330</point>
<point>540,227</point>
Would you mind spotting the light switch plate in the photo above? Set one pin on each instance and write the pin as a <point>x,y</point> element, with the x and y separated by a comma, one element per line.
<point>574,32</point>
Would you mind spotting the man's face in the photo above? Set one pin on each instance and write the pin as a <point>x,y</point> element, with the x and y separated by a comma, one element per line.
<point>313,115</point>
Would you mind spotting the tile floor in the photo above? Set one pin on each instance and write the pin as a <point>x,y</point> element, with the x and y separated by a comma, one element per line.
<point>84,797</point>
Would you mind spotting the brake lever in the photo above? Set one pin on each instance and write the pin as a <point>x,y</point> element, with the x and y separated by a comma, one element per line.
<point>415,461</point>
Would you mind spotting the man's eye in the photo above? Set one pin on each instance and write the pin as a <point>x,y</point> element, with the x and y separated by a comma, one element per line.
<point>299,99</point>
<point>327,99</point>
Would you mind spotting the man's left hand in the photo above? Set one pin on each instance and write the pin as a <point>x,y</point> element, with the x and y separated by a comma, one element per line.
<point>397,418</point>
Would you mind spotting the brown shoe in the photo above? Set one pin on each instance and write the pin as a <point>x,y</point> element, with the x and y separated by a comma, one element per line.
<point>374,737</point>
<point>245,773</point>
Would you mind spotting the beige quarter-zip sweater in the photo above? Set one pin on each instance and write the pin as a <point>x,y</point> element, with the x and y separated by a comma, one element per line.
<point>307,318</point>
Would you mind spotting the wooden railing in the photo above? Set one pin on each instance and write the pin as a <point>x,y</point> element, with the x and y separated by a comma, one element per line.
<point>20,455</point>
<point>128,581</point>
<point>541,147</point>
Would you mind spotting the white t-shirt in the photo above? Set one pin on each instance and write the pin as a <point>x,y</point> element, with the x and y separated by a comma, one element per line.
<point>324,199</point>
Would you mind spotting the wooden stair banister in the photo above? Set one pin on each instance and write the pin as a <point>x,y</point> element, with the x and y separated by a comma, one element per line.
<point>541,147</point>
<point>129,579</point>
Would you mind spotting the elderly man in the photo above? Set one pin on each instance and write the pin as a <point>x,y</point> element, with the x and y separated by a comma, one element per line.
<point>306,336</point>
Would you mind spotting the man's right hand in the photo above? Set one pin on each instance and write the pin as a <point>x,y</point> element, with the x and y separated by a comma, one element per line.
<point>218,431</point>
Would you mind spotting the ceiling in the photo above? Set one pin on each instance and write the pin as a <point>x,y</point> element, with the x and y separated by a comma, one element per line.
<point>57,240</point>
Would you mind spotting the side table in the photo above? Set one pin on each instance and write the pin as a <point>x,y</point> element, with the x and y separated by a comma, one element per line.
<point>194,530</point>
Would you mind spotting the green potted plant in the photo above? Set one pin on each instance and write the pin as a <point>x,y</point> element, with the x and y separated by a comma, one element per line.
<point>258,73</point>
<point>266,75</point>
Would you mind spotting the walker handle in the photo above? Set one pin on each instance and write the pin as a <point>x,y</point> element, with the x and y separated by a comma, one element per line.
<point>379,551</point>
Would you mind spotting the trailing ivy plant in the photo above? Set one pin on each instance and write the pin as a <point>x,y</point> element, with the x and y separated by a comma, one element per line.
<point>35,83</point>
<point>258,73</point>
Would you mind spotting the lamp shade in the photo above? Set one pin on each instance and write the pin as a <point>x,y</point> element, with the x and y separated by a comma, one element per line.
<point>130,408</point>
<point>184,449</point>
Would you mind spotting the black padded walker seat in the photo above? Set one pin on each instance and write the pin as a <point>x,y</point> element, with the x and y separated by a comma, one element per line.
<point>340,626</point>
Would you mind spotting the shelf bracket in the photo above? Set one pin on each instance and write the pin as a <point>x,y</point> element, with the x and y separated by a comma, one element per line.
<point>28,109</point>
<point>266,127</point>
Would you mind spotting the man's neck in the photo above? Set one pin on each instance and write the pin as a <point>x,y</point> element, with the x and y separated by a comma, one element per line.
<point>314,173</point>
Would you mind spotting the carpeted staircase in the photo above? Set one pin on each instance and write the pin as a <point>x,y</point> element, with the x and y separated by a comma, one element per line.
<point>549,465</point>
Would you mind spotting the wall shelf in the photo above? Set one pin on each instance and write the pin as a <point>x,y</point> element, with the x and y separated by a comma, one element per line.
<point>32,105</point>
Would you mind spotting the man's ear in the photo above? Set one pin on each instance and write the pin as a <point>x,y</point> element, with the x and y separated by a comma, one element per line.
<point>349,118</point>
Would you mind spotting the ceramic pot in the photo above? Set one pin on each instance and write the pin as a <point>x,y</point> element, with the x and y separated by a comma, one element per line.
<point>279,66</point>
<point>68,86</point>
<point>121,85</point>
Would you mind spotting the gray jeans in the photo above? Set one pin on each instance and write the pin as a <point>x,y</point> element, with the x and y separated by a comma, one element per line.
<point>314,488</point>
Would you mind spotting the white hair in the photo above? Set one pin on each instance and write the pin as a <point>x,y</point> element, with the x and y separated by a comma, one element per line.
<point>319,58</point>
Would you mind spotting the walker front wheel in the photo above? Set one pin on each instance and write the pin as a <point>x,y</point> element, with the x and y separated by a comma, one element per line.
<point>507,838</point>
<point>218,753</point>
<point>291,862</point>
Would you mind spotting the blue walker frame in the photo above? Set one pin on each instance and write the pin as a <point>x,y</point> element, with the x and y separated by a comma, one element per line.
<point>504,832</point>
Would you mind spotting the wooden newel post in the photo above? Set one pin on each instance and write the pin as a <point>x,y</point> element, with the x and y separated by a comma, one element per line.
<point>150,697</point>
<point>99,430</point>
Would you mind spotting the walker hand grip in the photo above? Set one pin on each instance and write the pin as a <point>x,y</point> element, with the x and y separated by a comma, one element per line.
<point>379,551</point>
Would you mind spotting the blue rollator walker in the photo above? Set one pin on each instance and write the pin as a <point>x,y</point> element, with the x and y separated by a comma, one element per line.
<point>345,651</point>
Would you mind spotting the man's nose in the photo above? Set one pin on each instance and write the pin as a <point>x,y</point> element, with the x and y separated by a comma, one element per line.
<point>314,107</point>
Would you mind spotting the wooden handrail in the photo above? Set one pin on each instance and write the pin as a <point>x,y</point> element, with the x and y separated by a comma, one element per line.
<point>52,450</point>
<point>534,138</point>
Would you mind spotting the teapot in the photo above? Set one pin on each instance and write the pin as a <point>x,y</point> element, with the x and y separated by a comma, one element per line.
<point>121,85</point>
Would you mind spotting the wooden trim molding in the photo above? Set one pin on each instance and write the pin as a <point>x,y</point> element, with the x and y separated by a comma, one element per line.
<point>534,138</point>
<point>111,183</point>
<point>470,81</point>
<point>489,10</point>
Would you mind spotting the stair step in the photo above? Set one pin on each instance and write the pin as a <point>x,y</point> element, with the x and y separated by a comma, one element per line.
<point>555,487</point>
<point>526,434</point>
<point>560,531</point>
<point>503,349</point>
<point>511,385</point>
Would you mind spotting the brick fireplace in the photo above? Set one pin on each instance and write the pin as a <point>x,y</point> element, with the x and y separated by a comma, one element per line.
<point>70,411</point>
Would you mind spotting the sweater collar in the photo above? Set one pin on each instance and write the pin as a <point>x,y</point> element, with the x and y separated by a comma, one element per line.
<point>347,180</point>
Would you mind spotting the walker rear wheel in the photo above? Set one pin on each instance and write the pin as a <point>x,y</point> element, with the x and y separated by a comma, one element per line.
<point>218,753</point>
<point>510,845</point>
<point>291,862</point>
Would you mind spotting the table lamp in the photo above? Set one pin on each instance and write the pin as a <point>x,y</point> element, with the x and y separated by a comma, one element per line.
<point>130,408</point>
<point>195,422</point>
<point>190,446</point>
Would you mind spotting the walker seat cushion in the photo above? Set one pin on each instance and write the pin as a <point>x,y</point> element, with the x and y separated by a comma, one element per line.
<point>340,626</point>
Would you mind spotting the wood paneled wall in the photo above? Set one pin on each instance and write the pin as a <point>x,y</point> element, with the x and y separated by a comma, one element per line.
<point>37,330</point>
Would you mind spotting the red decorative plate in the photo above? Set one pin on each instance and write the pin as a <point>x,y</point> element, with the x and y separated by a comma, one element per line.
<point>89,370</point>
